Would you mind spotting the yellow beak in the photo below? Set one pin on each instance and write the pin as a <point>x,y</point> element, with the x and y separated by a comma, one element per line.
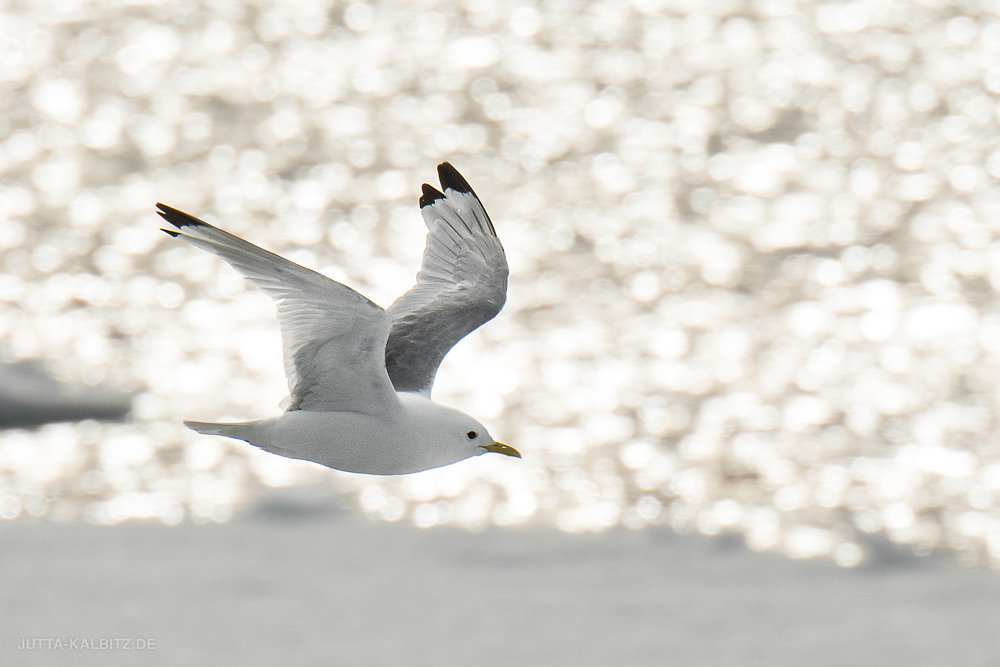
<point>500,448</point>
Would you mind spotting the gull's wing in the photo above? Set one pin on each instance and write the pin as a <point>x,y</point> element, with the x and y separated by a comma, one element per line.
<point>334,338</point>
<point>462,283</point>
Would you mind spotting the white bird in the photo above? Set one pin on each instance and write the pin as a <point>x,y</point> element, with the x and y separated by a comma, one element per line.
<point>360,376</point>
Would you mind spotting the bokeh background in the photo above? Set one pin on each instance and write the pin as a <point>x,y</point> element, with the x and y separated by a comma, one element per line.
<point>754,252</point>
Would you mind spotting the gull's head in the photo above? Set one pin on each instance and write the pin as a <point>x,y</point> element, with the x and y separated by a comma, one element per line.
<point>474,435</point>
<point>466,433</point>
<point>452,435</point>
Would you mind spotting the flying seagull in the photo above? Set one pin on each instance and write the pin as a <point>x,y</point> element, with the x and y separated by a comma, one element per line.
<point>360,376</point>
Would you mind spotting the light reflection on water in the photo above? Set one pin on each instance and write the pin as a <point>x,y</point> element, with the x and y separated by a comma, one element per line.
<point>754,256</point>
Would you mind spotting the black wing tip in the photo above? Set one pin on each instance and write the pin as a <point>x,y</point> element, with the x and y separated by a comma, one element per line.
<point>430,195</point>
<point>170,231</point>
<point>452,180</point>
<point>178,219</point>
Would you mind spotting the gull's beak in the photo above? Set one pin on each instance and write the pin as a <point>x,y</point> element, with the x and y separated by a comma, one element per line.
<point>500,448</point>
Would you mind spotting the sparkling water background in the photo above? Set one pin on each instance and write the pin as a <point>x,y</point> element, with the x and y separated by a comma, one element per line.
<point>754,251</point>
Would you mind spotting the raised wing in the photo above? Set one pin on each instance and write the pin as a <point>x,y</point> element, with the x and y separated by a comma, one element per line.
<point>462,283</point>
<point>333,337</point>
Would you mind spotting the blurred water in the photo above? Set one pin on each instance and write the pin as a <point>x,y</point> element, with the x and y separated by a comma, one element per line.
<point>754,248</point>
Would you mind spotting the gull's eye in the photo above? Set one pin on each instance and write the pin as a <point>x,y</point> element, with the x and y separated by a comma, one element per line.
<point>471,435</point>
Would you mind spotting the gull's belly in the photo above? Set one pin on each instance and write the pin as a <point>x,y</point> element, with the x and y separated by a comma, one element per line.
<point>409,440</point>
<point>345,441</point>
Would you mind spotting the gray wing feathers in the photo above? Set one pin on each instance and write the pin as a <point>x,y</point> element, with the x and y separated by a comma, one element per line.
<point>462,283</point>
<point>333,337</point>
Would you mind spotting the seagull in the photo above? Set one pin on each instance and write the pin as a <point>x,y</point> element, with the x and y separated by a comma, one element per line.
<point>360,376</point>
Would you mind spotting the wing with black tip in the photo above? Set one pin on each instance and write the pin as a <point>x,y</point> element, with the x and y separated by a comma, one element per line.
<point>462,284</point>
<point>333,337</point>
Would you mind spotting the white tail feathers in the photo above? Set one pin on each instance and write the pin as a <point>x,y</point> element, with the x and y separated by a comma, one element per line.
<point>238,430</point>
<point>205,428</point>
